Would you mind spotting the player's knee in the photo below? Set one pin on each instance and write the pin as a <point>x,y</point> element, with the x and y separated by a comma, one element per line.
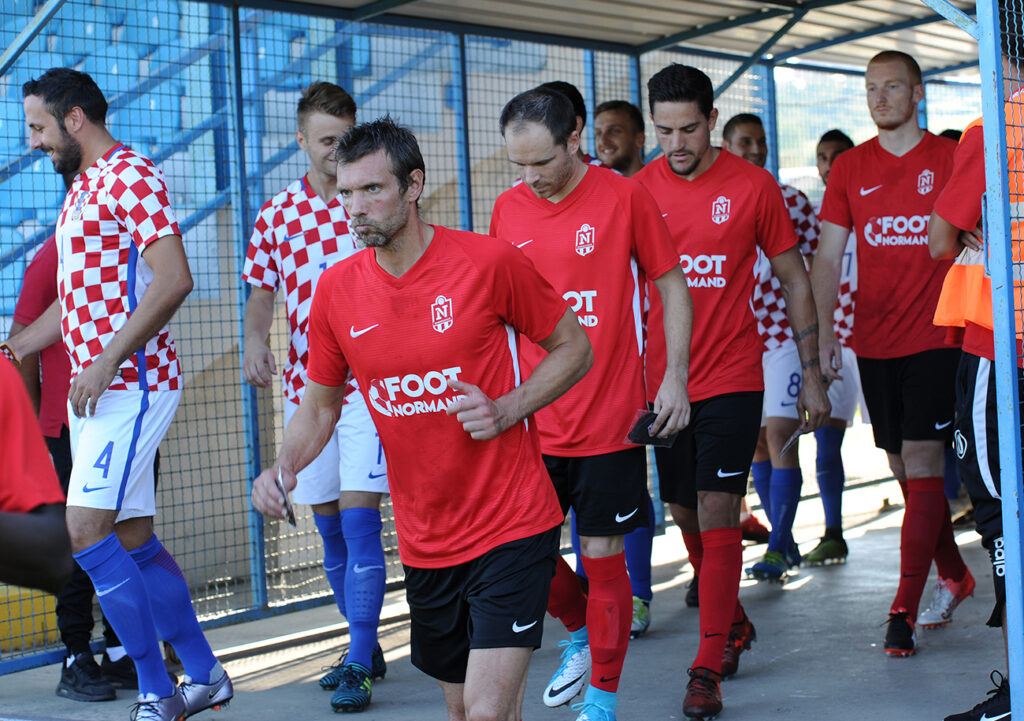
<point>87,527</point>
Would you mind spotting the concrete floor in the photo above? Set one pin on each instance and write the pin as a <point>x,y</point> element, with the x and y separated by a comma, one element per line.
<point>818,654</point>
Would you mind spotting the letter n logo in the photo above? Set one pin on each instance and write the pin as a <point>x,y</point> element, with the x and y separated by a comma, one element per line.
<point>585,239</point>
<point>925,182</point>
<point>720,209</point>
<point>441,314</point>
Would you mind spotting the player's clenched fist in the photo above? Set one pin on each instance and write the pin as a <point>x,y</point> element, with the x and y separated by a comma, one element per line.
<point>266,498</point>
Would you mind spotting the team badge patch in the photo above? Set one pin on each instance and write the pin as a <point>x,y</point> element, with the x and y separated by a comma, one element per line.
<point>925,182</point>
<point>80,202</point>
<point>585,239</point>
<point>441,314</point>
<point>720,207</point>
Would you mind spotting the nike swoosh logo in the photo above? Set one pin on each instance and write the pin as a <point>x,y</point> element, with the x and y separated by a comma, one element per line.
<point>712,635</point>
<point>608,679</point>
<point>561,689</point>
<point>328,569</point>
<point>364,569</point>
<point>516,628</point>
<point>788,404</point>
<point>290,238</point>
<point>868,191</point>
<point>520,245</point>
<point>105,591</point>
<point>620,519</point>
<point>986,717</point>
<point>356,333</point>
<point>86,489</point>
<point>940,426</point>
<point>377,475</point>
<point>723,474</point>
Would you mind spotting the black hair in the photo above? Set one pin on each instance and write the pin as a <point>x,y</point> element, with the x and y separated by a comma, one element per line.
<point>548,107</point>
<point>397,141</point>
<point>682,84</point>
<point>63,89</point>
<point>570,91</point>
<point>740,119</point>
<point>323,97</point>
<point>836,136</point>
<point>632,111</point>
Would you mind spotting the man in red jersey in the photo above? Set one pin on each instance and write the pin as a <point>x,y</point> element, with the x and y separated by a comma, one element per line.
<point>966,303</point>
<point>884,190</point>
<point>720,209</point>
<point>429,323</point>
<point>594,234</point>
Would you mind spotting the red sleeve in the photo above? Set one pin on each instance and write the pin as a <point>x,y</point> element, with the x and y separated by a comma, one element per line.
<point>652,243</point>
<point>775,232</point>
<point>327,365</point>
<point>960,201</point>
<point>835,208</point>
<point>522,297</point>
<point>39,288</point>
<point>495,213</point>
<point>28,480</point>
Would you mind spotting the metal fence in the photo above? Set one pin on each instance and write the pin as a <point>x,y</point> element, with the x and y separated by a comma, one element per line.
<point>209,92</point>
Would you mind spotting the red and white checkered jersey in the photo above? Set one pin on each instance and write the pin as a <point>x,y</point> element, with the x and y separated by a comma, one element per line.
<point>767,301</point>
<point>296,237</point>
<point>843,317</point>
<point>111,214</point>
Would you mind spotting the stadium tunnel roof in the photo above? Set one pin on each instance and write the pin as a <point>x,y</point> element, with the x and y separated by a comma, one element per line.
<point>844,33</point>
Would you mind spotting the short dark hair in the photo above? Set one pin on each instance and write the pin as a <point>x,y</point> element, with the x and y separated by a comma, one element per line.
<point>632,111</point>
<point>548,107</point>
<point>740,119</point>
<point>952,134</point>
<point>682,84</point>
<point>397,141</point>
<point>891,56</point>
<point>835,135</point>
<point>323,97</point>
<point>570,91</point>
<point>63,89</point>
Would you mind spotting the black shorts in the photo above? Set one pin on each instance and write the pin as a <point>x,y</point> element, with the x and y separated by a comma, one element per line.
<point>714,452</point>
<point>495,601</point>
<point>910,398</point>
<point>976,442</point>
<point>607,491</point>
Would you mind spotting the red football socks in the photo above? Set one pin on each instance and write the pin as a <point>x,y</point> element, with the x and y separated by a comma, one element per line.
<point>919,538</point>
<point>609,614</point>
<point>695,550</point>
<point>566,601</point>
<point>719,589</point>
<point>948,560</point>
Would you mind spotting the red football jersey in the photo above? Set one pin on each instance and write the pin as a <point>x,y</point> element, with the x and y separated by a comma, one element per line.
<point>38,291</point>
<point>717,222</point>
<point>28,480</point>
<point>887,201</point>
<point>595,247</point>
<point>455,315</point>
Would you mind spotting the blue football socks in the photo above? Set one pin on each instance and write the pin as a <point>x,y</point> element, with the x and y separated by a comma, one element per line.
<point>831,476</point>
<point>762,474</point>
<point>638,544</point>
<point>335,555</point>
<point>365,580</point>
<point>785,495</point>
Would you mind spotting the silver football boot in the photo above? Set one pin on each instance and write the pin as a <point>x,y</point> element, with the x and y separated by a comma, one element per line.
<point>153,708</point>
<point>201,696</point>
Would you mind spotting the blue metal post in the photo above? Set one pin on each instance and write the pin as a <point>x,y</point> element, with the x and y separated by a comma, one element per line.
<point>464,175</point>
<point>635,89</point>
<point>922,113</point>
<point>1002,272</point>
<point>28,33</point>
<point>771,122</point>
<point>590,96</point>
<point>242,221</point>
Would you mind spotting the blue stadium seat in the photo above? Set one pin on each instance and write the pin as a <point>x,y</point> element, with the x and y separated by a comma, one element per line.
<point>11,274</point>
<point>115,70</point>
<point>152,30</point>
<point>35,192</point>
<point>90,28</point>
<point>12,128</point>
<point>274,44</point>
<point>20,9</point>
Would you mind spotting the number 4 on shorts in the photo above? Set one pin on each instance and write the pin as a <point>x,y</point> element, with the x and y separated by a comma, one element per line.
<point>103,462</point>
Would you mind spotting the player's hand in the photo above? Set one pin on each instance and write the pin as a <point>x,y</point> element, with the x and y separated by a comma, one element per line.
<point>481,417</point>
<point>88,386</point>
<point>812,405</point>
<point>258,365</point>
<point>831,357</point>
<point>672,404</point>
<point>972,239</point>
<point>265,497</point>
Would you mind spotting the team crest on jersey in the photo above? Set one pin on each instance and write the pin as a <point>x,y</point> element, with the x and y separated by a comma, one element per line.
<point>925,182</point>
<point>720,208</point>
<point>441,314</point>
<point>80,200</point>
<point>585,239</point>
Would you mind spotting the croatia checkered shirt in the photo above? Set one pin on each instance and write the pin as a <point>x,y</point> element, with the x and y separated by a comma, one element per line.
<point>297,236</point>
<point>111,214</point>
<point>767,301</point>
<point>843,316</point>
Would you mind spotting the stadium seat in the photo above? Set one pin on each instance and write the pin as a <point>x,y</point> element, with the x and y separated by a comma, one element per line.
<point>20,9</point>
<point>12,128</point>
<point>276,49</point>
<point>12,273</point>
<point>149,30</point>
<point>88,25</point>
<point>115,70</point>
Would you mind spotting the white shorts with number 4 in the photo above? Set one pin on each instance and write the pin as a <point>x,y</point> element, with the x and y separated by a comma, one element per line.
<point>352,460</point>
<point>114,449</point>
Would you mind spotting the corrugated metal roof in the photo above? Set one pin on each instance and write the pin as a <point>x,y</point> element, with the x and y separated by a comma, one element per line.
<point>738,27</point>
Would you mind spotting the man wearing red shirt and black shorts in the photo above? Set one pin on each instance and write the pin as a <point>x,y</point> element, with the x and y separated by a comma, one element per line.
<point>428,322</point>
<point>720,209</point>
<point>884,190</point>
<point>594,235</point>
